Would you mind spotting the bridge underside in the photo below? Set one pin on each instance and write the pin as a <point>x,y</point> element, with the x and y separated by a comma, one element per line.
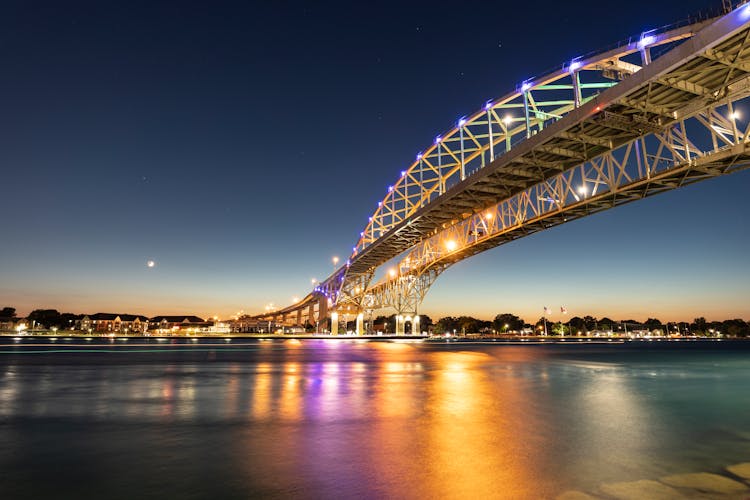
<point>601,132</point>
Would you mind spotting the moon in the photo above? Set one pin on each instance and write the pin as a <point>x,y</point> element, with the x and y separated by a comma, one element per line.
<point>150,263</point>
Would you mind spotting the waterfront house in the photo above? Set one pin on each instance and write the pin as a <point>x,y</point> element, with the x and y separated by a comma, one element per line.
<point>114,323</point>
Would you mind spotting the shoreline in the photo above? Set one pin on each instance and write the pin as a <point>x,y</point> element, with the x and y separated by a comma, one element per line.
<point>515,339</point>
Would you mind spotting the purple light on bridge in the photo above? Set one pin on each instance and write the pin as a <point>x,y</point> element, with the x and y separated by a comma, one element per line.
<point>390,189</point>
<point>461,122</point>
<point>419,155</point>
<point>438,139</point>
<point>525,86</point>
<point>646,40</point>
<point>574,65</point>
<point>488,105</point>
<point>403,173</point>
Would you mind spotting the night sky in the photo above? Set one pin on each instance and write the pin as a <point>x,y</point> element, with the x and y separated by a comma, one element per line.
<point>240,145</point>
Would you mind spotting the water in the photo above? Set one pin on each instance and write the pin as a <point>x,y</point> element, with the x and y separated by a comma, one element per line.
<point>353,419</point>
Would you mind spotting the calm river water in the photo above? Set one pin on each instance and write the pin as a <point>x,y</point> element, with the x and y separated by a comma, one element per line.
<point>353,419</point>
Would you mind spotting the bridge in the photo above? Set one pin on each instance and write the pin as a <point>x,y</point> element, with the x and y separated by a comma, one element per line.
<point>650,114</point>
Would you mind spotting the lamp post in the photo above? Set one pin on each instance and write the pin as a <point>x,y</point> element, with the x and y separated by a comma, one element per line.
<point>335,261</point>
<point>269,308</point>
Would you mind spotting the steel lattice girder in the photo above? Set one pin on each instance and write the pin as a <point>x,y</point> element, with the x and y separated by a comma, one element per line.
<point>439,186</point>
<point>643,167</point>
<point>552,124</point>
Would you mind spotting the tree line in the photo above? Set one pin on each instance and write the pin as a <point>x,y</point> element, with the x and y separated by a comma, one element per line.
<point>511,323</point>
<point>502,323</point>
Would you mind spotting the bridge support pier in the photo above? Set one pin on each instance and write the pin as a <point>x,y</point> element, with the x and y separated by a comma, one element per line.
<point>322,311</point>
<point>400,324</point>
<point>334,323</point>
<point>360,322</point>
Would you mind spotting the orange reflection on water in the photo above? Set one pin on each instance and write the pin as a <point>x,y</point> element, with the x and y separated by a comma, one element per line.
<point>289,399</point>
<point>478,445</point>
<point>260,403</point>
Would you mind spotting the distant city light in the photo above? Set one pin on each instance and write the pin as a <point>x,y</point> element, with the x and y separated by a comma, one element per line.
<point>508,119</point>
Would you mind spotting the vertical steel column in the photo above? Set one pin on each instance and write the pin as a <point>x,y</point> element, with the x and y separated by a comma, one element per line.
<point>489,134</point>
<point>461,135</point>
<point>421,179</point>
<point>526,112</point>
<point>576,89</point>
<point>645,56</point>
<point>440,168</point>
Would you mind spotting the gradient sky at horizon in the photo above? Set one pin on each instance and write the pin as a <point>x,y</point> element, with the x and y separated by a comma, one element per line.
<point>242,145</point>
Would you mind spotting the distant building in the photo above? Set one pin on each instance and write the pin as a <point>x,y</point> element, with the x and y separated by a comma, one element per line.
<point>114,323</point>
<point>178,324</point>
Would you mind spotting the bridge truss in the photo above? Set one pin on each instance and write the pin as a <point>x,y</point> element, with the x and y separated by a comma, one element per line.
<point>651,115</point>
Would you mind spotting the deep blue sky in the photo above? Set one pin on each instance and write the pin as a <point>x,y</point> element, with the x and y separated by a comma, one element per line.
<point>242,144</point>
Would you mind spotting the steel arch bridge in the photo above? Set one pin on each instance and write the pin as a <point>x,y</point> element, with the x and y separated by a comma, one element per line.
<point>653,113</point>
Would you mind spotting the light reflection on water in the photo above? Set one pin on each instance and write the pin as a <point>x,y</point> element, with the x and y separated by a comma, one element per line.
<point>365,420</point>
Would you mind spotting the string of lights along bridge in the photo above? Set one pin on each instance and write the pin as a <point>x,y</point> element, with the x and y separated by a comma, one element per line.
<point>655,113</point>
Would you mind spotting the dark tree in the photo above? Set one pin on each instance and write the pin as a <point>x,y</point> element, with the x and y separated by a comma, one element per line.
<point>652,324</point>
<point>467,324</point>
<point>514,322</point>
<point>425,323</point>
<point>699,326</point>
<point>447,325</point>
<point>606,324</point>
<point>735,328</point>
<point>577,324</point>
<point>45,317</point>
<point>590,322</point>
<point>7,313</point>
